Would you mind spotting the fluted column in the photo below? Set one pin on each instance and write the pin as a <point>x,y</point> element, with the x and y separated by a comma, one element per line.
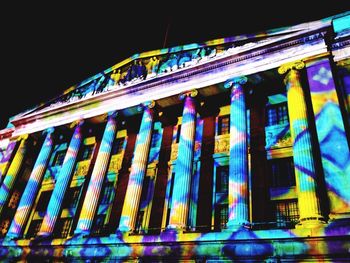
<point>184,163</point>
<point>238,211</point>
<point>13,171</point>
<point>90,203</point>
<point>331,134</point>
<point>138,170</point>
<point>62,183</point>
<point>4,164</point>
<point>32,187</point>
<point>306,182</point>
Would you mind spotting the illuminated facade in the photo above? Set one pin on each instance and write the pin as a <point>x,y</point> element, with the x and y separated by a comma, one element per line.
<point>236,149</point>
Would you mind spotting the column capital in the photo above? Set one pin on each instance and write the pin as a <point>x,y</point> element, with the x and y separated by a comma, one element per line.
<point>191,93</point>
<point>22,137</point>
<point>151,104</point>
<point>113,114</point>
<point>48,131</point>
<point>291,65</point>
<point>241,80</point>
<point>76,123</point>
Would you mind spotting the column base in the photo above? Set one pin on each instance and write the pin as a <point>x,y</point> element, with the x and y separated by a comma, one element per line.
<point>232,226</point>
<point>311,222</point>
<point>81,233</point>
<point>12,236</point>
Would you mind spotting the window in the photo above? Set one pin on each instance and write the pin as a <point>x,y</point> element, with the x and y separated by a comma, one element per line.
<point>87,152</point>
<point>118,146</point>
<point>13,202</point>
<point>99,226</point>
<point>139,220</point>
<point>71,198</point>
<point>43,201</point>
<point>169,198</point>
<point>59,158</point>
<point>4,225</point>
<point>63,227</point>
<point>224,125</point>
<point>178,133</point>
<point>287,213</point>
<point>155,137</point>
<point>40,208</point>
<point>276,114</point>
<point>282,171</point>
<point>222,175</point>
<point>107,193</point>
<point>221,216</point>
<point>34,228</point>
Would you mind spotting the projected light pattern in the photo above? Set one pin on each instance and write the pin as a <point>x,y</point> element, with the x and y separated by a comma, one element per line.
<point>176,170</point>
<point>184,164</point>
<point>31,190</point>
<point>306,180</point>
<point>331,136</point>
<point>12,173</point>
<point>97,177</point>
<point>138,169</point>
<point>5,158</point>
<point>63,180</point>
<point>238,171</point>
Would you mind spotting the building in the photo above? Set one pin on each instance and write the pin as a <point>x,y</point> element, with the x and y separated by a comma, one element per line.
<point>236,149</point>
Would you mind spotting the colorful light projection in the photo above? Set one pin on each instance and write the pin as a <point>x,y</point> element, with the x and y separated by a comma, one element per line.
<point>306,181</point>
<point>13,172</point>
<point>184,163</point>
<point>5,156</point>
<point>32,187</point>
<point>138,169</point>
<point>331,135</point>
<point>62,183</point>
<point>238,171</point>
<point>97,177</point>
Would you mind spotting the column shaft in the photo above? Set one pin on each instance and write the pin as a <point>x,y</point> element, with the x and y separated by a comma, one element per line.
<point>12,173</point>
<point>97,177</point>
<point>62,183</point>
<point>30,192</point>
<point>5,160</point>
<point>183,168</point>
<point>331,135</point>
<point>306,184</point>
<point>238,213</point>
<point>137,172</point>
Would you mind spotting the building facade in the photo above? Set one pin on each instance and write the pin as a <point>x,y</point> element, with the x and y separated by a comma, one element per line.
<point>236,149</point>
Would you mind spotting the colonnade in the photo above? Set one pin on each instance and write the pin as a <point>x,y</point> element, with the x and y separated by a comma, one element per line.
<point>307,181</point>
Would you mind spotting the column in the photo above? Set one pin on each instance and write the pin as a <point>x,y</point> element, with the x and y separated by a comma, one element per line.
<point>13,171</point>
<point>137,170</point>
<point>62,182</point>
<point>184,163</point>
<point>238,210</point>
<point>32,186</point>
<point>331,135</point>
<point>306,181</point>
<point>5,160</point>
<point>93,192</point>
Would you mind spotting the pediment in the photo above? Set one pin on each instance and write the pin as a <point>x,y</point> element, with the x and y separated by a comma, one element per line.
<point>154,64</point>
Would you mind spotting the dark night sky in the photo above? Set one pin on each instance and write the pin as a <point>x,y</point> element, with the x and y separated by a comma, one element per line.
<point>45,49</point>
